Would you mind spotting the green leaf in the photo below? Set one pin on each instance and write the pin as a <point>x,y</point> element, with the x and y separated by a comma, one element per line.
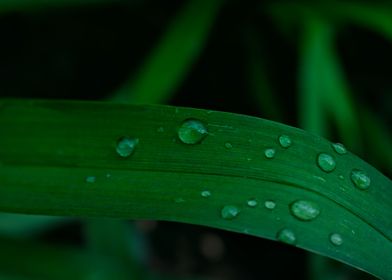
<point>173,56</point>
<point>49,148</point>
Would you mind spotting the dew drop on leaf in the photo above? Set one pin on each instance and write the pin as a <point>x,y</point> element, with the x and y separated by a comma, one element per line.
<point>305,210</point>
<point>228,145</point>
<point>192,131</point>
<point>360,179</point>
<point>339,148</point>
<point>326,162</point>
<point>269,153</point>
<point>286,236</point>
<point>91,179</point>
<point>336,239</point>
<point>205,193</point>
<point>126,146</point>
<point>252,202</point>
<point>269,204</point>
<point>285,141</point>
<point>229,212</point>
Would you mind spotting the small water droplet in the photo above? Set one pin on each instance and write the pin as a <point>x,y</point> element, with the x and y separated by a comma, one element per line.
<point>228,145</point>
<point>160,129</point>
<point>339,148</point>
<point>91,179</point>
<point>229,212</point>
<point>305,210</point>
<point>252,202</point>
<point>286,236</point>
<point>108,175</point>
<point>326,162</point>
<point>126,146</point>
<point>269,204</point>
<point>192,131</point>
<point>360,179</point>
<point>341,177</point>
<point>285,141</point>
<point>269,153</point>
<point>336,239</point>
<point>205,194</point>
<point>179,200</point>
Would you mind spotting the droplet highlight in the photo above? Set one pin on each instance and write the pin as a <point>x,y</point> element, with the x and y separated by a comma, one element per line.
<point>192,131</point>
<point>229,212</point>
<point>285,141</point>
<point>91,179</point>
<point>360,179</point>
<point>269,204</point>
<point>252,202</point>
<point>326,162</point>
<point>305,210</point>
<point>339,148</point>
<point>286,236</point>
<point>205,194</point>
<point>269,153</point>
<point>126,146</point>
<point>336,239</point>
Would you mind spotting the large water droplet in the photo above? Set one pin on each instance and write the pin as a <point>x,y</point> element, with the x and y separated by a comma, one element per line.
<point>252,202</point>
<point>126,146</point>
<point>305,210</point>
<point>285,141</point>
<point>205,194</point>
<point>229,212</point>
<point>336,239</point>
<point>91,179</point>
<point>192,131</point>
<point>269,153</point>
<point>360,179</point>
<point>326,162</point>
<point>286,236</point>
<point>339,148</point>
<point>269,204</point>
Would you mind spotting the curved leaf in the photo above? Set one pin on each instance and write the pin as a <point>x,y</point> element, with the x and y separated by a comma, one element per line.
<point>60,158</point>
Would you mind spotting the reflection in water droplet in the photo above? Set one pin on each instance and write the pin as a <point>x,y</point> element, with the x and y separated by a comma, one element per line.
<point>269,204</point>
<point>126,146</point>
<point>91,179</point>
<point>360,179</point>
<point>228,145</point>
<point>326,162</point>
<point>305,210</point>
<point>339,148</point>
<point>286,236</point>
<point>192,131</point>
<point>229,212</point>
<point>252,202</point>
<point>336,239</point>
<point>269,153</point>
<point>285,141</point>
<point>205,194</point>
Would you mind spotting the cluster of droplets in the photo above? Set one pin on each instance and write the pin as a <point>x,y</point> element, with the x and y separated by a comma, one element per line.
<point>193,131</point>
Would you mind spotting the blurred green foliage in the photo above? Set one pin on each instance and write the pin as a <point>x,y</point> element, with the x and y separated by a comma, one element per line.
<point>323,66</point>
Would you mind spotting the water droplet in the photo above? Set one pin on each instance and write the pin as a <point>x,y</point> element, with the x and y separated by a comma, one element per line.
<point>91,179</point>
<point>160,129</point>
<point>360,179</point>
<point>326,162</point>
<point>305,210</point>
<point>252,202</point>
<point>229,212</point>
<point>179,200</point>
<point>269,153</point>
<point>341,177</point>
<point>205,194</point>
<point>339,148</point>
<point>126,146</point>
<point>336,239</point>
<point>228,145</point>
<point>285,141</point>
<point>269,204</point>
<point>192,131</point>
<point>108,175</point>
<point>286,236</point>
